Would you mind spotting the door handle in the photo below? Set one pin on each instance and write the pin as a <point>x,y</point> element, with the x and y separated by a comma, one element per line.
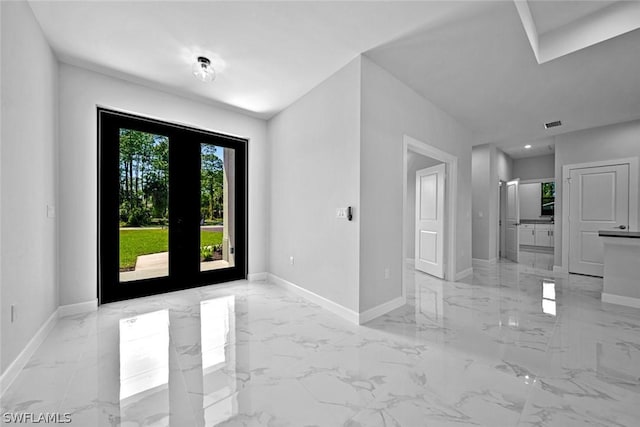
<point>621,227</point>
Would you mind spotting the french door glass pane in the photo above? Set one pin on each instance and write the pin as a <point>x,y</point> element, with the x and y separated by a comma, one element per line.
<point>143,205</point>
<point>217,189</point>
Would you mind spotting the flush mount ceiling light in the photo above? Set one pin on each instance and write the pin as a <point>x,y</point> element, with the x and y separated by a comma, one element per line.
<point>528,146</point>
<point>203,70</point>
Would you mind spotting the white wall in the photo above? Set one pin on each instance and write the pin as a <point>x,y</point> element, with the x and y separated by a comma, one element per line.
<point>490,165</point>
<point>481,179</point>
<point>1,169</point>
<point>530,200</point>
<point>27,178</point>
<point>505,166</point>
<point>534,167</point>
<point>501,170</point>
<point>538,168</point>
<point>415,162</point>
<point>80,92</point>
<point>314,158</point>
<point>390,110</point>
<point>602,143</point>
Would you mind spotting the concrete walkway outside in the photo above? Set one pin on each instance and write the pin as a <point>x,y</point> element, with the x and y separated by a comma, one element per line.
<point>212,228</point>
<point>157,265</point>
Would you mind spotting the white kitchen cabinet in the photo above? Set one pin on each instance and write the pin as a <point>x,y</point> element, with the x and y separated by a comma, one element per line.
<point>543,235</point>
<point>542,238</point>
<point>536,235</point>
<point>527,234</point>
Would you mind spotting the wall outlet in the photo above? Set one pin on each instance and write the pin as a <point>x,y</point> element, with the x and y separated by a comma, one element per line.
<point>387,273</point>
<point>292,260</point>
<point>51,211</point>
<point>341,213</point>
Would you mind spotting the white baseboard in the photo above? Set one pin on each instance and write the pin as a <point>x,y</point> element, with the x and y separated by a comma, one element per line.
<point>257,277</point>
<point>381,310</point>
<point>464,273</point>
<point>323,302</point>
<point>560,270</point>
<point>81,307</point>
<point>338,309</point>
<point>485,261</point>
<point>12,371</point>
<point>621,300</point>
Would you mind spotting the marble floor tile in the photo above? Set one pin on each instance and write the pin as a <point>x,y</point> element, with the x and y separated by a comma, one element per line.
<point>536,259</point>
<point>511,345</point>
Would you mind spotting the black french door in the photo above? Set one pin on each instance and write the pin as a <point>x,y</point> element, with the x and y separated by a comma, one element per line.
<point>172,207</point>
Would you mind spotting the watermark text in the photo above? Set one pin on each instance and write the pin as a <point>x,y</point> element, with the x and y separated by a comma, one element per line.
<point>35,418</point>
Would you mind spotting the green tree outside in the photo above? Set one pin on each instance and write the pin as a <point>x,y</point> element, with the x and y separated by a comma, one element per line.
<point>144,179</point>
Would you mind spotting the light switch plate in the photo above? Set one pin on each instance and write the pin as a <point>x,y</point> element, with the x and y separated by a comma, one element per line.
<point>341,213</point>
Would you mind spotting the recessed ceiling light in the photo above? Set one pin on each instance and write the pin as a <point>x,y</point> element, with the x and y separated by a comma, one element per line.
<point>203,70</point>
<point>553,124</point>
<point>527,146</point>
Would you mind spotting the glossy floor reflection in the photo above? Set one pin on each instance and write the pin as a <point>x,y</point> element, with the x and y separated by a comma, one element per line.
<point>510,346</point>
<point>536,259</point>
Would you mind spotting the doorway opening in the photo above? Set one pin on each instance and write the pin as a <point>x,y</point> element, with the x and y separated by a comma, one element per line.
<point>526,222</point>
<point>172,207</point>
<point>429,191</point>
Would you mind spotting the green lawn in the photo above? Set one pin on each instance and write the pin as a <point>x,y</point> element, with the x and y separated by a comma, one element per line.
<point>144,241</point>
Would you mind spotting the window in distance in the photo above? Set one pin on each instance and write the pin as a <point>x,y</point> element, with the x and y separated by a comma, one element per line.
<point>548,198</point>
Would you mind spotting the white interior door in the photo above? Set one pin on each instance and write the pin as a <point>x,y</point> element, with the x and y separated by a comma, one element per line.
<point>512,237</point>
<point>502,222</point>
<point>430,220</point>
<point>599,200</point>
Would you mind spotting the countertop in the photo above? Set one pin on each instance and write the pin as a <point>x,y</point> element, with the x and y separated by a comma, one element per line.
<point>535,221</point>
<point>619,233</point>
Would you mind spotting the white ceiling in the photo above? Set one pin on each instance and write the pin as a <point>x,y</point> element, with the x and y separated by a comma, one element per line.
<point>266,54</point>
<point>473,58</point>
<point>555,29</point>
<point>551,15</point>
<point>483,72</point>
<point>539,147</point>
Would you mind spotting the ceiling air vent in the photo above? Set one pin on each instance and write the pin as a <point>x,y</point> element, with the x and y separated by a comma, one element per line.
<point>552,124</point>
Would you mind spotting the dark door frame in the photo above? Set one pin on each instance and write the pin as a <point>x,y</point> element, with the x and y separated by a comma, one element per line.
<point>184,207</point>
